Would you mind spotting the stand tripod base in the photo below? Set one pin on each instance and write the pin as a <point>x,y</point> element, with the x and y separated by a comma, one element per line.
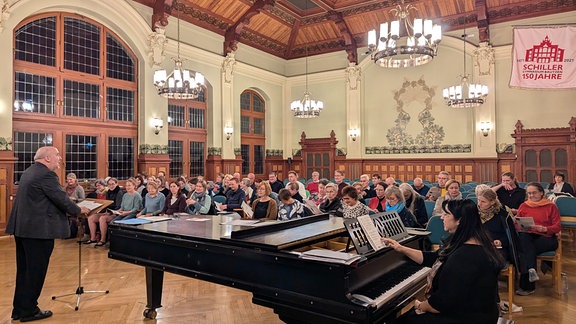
<point>79,291</point>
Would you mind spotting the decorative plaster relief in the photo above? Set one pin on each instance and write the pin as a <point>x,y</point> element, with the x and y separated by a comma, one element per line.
<point>274,152</point>
<point>353,73</point>
<point>157,44</point>
<point>228,67</point>
<point>504,148</point>
<point>484,57</point>
<point>5,144</point>
<point>214,151</point>
<point>153,149</point>
<point>4,14</point>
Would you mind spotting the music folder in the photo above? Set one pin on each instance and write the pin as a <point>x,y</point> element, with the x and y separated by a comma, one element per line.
<point>95,205</point>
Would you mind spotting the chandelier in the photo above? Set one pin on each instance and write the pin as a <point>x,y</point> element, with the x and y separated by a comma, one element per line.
<point>181,83</point>
<point>418,46</point>
<point>306,107</point>
<point>465,94</point>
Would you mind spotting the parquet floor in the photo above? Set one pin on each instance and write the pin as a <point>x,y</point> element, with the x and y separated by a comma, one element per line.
<point>188,300</point>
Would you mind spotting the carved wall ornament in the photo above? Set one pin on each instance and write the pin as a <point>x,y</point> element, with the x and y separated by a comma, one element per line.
<point>156,46</point>
<point>5,143</point>
<point>4,14</point>
<point>228,67</point>
<point>353,74</point>
<point>484,58</point>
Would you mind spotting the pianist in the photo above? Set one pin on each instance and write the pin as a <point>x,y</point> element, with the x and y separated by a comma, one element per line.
<point>462,286</point>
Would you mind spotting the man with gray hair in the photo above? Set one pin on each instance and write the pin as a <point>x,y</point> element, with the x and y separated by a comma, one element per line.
<point>420,187</point>
<point>38,217</point>
<point>440,189</point>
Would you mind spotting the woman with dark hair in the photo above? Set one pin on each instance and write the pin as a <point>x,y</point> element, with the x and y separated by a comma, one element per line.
<point>175,200</point>
<point>351,206</point>
<point>463,283</point>
<point>559,186</point>
<point>140,184</point>
<point>538,238</point>
<point>452,193</point>
<point>378,203</point>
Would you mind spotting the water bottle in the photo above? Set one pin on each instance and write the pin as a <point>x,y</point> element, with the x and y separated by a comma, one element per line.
<point>564,282</point>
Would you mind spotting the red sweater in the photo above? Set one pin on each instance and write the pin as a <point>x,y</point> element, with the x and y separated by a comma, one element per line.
<point>546,215</point>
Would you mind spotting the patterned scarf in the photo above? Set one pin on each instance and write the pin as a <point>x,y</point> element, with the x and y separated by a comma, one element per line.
<point>488,213</point>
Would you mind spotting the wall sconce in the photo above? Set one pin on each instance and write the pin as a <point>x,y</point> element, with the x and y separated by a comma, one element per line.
<point>228,130</point>
<point>157,123</point>
<point>354,134</point>
<point>485,128</point>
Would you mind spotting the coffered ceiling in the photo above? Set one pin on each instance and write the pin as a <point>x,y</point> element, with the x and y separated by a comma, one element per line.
<point>290,28</point>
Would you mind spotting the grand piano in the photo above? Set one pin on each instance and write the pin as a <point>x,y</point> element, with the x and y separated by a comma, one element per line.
<point>265,260</point>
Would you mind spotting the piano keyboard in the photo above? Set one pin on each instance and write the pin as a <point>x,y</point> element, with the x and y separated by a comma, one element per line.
<point>390,285</point>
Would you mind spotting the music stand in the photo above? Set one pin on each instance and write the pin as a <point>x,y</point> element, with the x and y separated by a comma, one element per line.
<point>80,289</point>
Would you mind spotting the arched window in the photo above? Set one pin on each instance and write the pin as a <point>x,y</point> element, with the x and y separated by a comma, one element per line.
<point>75,88</point>
<point>253,134</point>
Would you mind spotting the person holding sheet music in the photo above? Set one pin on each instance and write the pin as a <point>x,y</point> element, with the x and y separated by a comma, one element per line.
<point>463,282</point>
<point>264,207</point>
<point>114,193</point>
<point>199,201</point>
<point>289,207</point>
<point>352,207</point>
<point>540,238</point>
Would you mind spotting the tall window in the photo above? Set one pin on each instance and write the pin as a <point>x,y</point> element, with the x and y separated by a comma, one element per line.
<point>252,128</point>
<point>75,87</point>
<point>187,136</point>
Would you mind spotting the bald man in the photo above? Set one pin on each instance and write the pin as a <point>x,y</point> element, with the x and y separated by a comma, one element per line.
<point>37,218</point>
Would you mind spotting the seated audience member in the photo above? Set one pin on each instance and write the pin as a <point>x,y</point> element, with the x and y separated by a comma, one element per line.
<point>140,184</point>
<point>376,178</point>
<point>182,185</point>
<point>99,191</point>
<point>351,207</point>
<point>264,207</point>
<point>358,186</point>
<point>192,185</point>
<point>145,190</point>
<point>199,201</point>
<point>320,196</point>
<point>245,186</point>
<point>559,186</point>
<point>275,184</point>
<point>218,187</point>
<point>415,203</point>
<point>495,220</point>
<point>390,181</point>
<point>254,196</point>
<point>294,191</point>
<point>339,180</point>
<point>367,192</point>
<point>439,190</point>
<point>539,238</point>
<point>162,183</point>
<point>378,203</point>
<point>289,208</point>
<point>479,188</point>
<point>175,201</point>
<point>234,197</point>
<point>114,193</point>
<point>332,204</point>
<point>463,284</point>
<point>452,193</point>
<point>395,202</point>
<point>293,178</point>
<point>74,191</point>
<point>154,201</point>
<point>509,193</point>
<point>312,186</point>
<point>420,187</point>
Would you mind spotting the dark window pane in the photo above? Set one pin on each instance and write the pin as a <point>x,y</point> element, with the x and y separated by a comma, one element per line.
<point>119,63</point>
<point>245,124</point>
<point>245,152</point>
<point>546,158</point>
<point>245,101</point>
<point>196,118</point>
<point>259,126</point>
<point>531,176</point>
<point>258,104</point>
<point>530,159</point>
<point>546,176</point>
<point>120,104</point>
<point>196,159</point>
<point>175,152</point>
<point>175,115</point>
<point>318,159</point>
<point>561,158</point>
<point>258,159</point>
<point>120,157</point>
<point>326,158</point>
<point>81,99</point>
<point>309,159</point>
<point>81,157</point>
<point>36,42</point>
<point>34,93</point>
<point>25,146</point>
<point>81,46</point>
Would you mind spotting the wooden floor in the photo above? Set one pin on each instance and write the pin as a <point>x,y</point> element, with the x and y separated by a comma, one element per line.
<point>192,301</point>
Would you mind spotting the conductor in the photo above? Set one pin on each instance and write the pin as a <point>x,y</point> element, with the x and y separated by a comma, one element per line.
<point>37,218</point>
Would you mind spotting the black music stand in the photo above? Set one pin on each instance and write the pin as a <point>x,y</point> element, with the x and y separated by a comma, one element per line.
<point>80,289</point>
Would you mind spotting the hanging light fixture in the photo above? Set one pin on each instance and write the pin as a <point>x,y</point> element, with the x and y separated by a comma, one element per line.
<point>417,47</point>
<point>180,84</point>
<point>306,107</point>
<point>465,94</point>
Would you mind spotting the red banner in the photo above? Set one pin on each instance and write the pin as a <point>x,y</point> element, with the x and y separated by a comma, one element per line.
<point>544,58</point>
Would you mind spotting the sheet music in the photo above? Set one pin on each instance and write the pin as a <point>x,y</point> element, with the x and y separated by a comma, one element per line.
<point>89,204</point>
<point>247,210</point>
<point>312,206</point>
<point>218,206</point>
<point>156,218</point>
<point>371,232</point>
<point>116,212</point>
<point>524,223</point>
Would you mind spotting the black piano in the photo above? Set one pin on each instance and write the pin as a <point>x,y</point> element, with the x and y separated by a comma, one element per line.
<point>265,260</point>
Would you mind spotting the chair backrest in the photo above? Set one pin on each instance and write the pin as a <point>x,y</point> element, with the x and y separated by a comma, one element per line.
<point>566,206</point>
<point>436,228</point>
<point>367,201</point>
<point>473,198</point>
<point>429,207</point>
<point>220,199</point>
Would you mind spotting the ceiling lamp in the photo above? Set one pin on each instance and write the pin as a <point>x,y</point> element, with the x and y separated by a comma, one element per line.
<point>415,45</point>
<point>465,94</point>
<point>180,84</point>
<point>306,107</point>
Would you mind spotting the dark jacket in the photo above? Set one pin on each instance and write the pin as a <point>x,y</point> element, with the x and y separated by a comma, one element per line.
<point>276,186</point>
<point>566,187</point>
<point>41,206</point>
<point>333,207</point>
<point>116,196</point>
<point>234,199</point>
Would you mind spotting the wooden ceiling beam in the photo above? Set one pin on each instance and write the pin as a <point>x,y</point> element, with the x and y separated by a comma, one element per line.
<point>322,4</point>
<point>292,39</point>
<point>233,32</point>
<point>161,11</point>
<point>349,41</point>
<point>482,20</point>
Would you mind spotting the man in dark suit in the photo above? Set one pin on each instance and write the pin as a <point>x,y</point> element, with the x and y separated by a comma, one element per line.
<point>37,218</point>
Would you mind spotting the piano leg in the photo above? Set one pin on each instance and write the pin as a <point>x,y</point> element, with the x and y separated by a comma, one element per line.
<point>154,282</point>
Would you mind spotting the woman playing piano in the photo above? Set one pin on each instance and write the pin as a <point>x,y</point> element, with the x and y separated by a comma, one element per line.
<point>462,285</point>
